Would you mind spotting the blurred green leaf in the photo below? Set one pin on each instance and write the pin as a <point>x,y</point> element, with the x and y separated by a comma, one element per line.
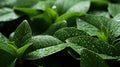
<point>100,2</point>
<point>82,6</point>
<point>7,3</point>
<point>41,22</point>
<point>114,9</point>
<point>6,58</point>
<point>28,11</point>
<point>7,14</point>
<point>25,3</point>
<point>54,27</point>
<point>63,6</point>
<point>69,15</point>
<point>44,4</point>
<point>117,17</point>
<point>101,13</point>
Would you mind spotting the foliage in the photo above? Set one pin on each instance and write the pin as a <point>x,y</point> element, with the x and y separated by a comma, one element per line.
<point>59,33</point>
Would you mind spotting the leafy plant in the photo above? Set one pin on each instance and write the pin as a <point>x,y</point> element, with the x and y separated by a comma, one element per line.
<point>59,33</point>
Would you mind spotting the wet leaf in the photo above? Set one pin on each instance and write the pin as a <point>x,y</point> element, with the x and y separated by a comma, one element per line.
<point>88,58</point>
<point>68,32</point>
<point>22,34</point>
<point>40,53</point>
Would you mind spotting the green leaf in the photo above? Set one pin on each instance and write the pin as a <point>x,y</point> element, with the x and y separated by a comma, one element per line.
<point>88,58</point>
<point>28,11</point>
<point>12,64</point>
<point>100,2</point>
<point>117,47</point>
<point>63,6</point>
<point>25,3</point>
<point>40,53</point>
<point>69,15</point>
<point>82,6</point>
<point>7,14</point>
<point>88,28</point>
<point>114,9</point>
<point>44,4</point>
<point>5,58</point>
<point>101,13</point>
<point>78,49</point>
<point>106,57</point>
<point>68,32</point>
<point>22,34</point>
<point>42,21</point>
<point>70,18</point>
<point>4,45</point>
<point>54,27</point>
<point>109,28</point>
<point>92,44</point>
<point>42,41</point>
<point>7,3</point>
<point>117,17</point>
<point>22,49</point>
<point>3,39</point>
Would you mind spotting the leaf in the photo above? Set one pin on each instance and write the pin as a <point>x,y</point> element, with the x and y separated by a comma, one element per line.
<point>28,11</point>
<point>88,28</point>
<point>114,9</point>
<point>4,45</point>
<point>88,58</point>
<point>40,53</point>
<point>69,15</point>
<point>109,28</point>
<point>117,47</point>
<point>7,14</point>
<point>117,17</point>
<point>41,22</point>
<point>101,13</point>
<point>22,34</point>
<point>44,4</point>
<point>92,44</point>
<point>12,64</point>
<point>82,6</point>
<point>22,49</point>
<point>54,27</point>
<point>7,3</point>
<point>78,49</point>
<point>42,41</point>
<point>106,57</point>
<point>3,39</point>
<point>70,18</point>
<point>68,32</point>
<point>63,6</point>
<point>5,58</point>
<point>25,3</point>
<point>100,2</point>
